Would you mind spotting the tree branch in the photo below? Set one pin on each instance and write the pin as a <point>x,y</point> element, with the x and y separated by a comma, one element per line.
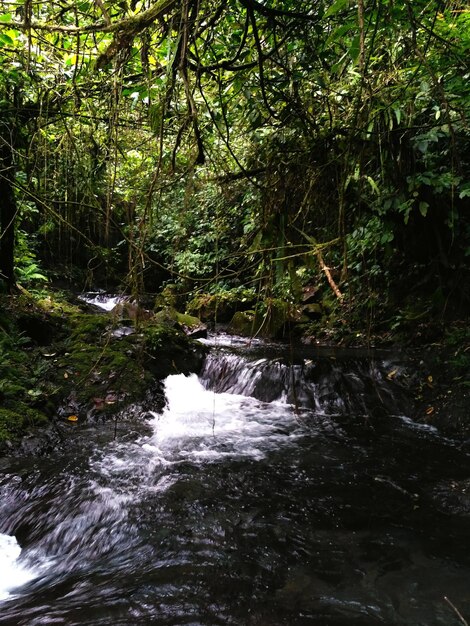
<point>130,25</point>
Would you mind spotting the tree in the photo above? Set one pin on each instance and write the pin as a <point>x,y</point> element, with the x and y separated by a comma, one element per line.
<point>8,207</point>
<point>312,122</point>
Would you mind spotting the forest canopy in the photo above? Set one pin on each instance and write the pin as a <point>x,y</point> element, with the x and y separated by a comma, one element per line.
<point>271,145</point>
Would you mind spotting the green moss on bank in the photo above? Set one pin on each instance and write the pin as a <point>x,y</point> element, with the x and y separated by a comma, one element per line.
<point>18,421</point>
<point>221,307</point>
<point>58,364</point>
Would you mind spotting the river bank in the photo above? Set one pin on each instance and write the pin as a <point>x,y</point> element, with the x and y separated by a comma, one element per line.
<point>66,361</point>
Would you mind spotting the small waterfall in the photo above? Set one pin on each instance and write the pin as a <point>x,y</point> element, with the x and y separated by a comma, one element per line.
<point>320,384</point>
<point>103,301</point>
<point>218,425</point>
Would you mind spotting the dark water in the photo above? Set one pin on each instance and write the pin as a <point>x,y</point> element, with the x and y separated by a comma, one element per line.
<point>266,494</point>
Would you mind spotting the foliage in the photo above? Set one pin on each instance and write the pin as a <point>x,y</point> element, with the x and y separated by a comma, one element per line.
<point>223,304</point>
<point>27,269</point>
<point>25,386</point>
<point>15,423</point>
<point>457,340</point>
<point>241,144</point>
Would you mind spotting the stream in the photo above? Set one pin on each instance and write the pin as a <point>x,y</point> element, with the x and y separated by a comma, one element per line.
<point>277,488</point>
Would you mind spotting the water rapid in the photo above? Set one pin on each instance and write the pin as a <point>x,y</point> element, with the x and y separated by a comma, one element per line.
<point>274,489</point>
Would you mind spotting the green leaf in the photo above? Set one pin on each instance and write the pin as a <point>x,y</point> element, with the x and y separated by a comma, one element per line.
<point>336,7</point>
<point>387,237</point>
<point>423,208</point>
<point>340,31</point>
<point>5,18</point>
<point>465,192</point>
<point>5,40</point>
<point>397,112</point>
<point>354,48</point>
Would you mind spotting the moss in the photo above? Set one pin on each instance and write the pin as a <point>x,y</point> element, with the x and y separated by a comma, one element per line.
<point>42,320</point>
<point>269,320</point>
<point>15,422</point>
<point>16,376</point>
<point>222,306</point>
<point>169,316</point>
<point>170,351</point>
<point>11,424</point>
<point>88,326</point>
<point>169,296</point>
<point>94,369</point>
<point>188,321</point>
<point>158,336</point>
<point>243,323</point>
<point>58,306</point>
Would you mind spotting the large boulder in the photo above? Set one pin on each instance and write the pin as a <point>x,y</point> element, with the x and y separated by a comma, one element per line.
<point>274,319</point>
<point>189,324</point>
<point>221,307</point>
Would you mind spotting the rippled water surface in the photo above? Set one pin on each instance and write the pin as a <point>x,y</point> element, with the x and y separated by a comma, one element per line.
<point>265,494</point>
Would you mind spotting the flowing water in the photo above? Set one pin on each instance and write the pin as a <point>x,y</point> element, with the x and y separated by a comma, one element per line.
<point>275,489</point>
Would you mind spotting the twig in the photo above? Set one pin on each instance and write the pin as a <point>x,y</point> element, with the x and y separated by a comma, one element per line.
<point>457,612</point>
<point>328,275</point>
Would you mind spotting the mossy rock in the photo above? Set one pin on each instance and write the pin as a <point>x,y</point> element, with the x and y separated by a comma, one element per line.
<point>270,320</point>
<point>168,297</point>
<point>313,310</point>
<point>191,325</point>
<point>188,321</point>
<point>88,327</point>
<point>243,323</point>
<point>15,422</point>
<point>42,320</point>
<point>221,307</point>
<point>169,351</point>
<point>104,374</point>
<point>101,373</point>
<point>169,316</point>
<point>89,371</point>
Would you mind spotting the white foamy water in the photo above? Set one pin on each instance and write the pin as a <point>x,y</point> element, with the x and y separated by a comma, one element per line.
<point>198,424</point>
<point>12,574</point>
<point>107,303</point>
<point>223,339</point>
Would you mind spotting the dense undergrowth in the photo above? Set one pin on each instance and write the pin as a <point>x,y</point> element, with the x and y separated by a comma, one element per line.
<point>59,362</point>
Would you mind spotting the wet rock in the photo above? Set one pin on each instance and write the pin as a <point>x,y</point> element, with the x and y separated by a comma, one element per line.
<point>130,311</point>
<point>453,497</point>
<point>17,420</point>
<point>200,332</point>
<point>310,293</point>
<point>313,310</point>
<point>189,324</point>
<point>242,323</point>
<point>41,442</point>
<point>169,351</point>
<point>123,331</point>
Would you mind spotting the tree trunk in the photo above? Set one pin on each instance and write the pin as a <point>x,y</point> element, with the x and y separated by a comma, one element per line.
<point>7,215</point>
